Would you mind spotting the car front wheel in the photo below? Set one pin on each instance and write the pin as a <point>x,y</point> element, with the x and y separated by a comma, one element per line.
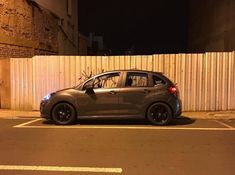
<point>159,114</point>
<point>63,114</point>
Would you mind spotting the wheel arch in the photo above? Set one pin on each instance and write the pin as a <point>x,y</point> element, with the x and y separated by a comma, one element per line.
<point>158,102</point>
<point>75,109</point>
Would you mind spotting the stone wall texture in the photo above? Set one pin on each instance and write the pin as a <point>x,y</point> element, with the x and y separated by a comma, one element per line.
<point>26,29</point>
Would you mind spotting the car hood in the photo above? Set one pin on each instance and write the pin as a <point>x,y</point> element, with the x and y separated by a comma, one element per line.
<point>61,90</point>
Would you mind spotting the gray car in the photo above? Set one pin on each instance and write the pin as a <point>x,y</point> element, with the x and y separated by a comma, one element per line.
<point>120,93</point>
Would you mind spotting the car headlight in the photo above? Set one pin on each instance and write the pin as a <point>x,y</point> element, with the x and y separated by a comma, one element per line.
<point>47,97</point>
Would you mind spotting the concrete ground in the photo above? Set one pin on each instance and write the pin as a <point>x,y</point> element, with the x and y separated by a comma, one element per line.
<point>197,143</point>
<point>31,145</point>
<point>12,114</point>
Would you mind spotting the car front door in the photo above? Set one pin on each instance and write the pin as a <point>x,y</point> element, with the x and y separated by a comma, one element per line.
<point>103,98</point>
<point>133,94</point>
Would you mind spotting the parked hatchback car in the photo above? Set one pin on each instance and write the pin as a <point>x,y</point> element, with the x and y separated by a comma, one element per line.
<point>120,93</point>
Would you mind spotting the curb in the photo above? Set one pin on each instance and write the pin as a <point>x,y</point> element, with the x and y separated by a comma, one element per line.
<point>220,115</point>
<point>11,114</point>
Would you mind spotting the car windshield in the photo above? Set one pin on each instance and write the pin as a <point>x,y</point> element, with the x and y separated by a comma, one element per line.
<point>79,86</point>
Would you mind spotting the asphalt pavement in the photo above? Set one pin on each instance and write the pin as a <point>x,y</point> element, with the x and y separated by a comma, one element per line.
<point>31,145</point>
<point>14,114</point>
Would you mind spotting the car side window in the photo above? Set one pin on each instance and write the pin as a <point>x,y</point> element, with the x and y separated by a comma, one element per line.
<point>135,79</point>
<point>158,81</point>
<point>106,81</point>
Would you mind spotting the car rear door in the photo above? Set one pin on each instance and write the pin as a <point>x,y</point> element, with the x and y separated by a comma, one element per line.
<point>134,92</point>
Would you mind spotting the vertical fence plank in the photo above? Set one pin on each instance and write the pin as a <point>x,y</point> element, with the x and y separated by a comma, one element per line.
<point>72,71</point>
<point>194,81</point>
<point>167,65</point>
<point>189,81</point>
<point>143,62</point>
<point>218,82</point>
<point>138,62</point>
<point>212,81</point>
<point>34,83</point>
<point>133,62</point>
<point>13,83</point>
<point>155,63</point>
<point>231,82</point>
<point>207,78</point>
<point>182,82</point>
<point>161,62</point>
<point>150,63</point>
<point>200,82</point>
<point>172,67</point>
<point>224,82</point>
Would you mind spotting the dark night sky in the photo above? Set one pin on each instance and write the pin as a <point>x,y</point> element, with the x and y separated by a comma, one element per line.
<point>151,26</point>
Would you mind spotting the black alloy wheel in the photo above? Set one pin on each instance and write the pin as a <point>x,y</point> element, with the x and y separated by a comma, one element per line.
<point>63,114</point>
<point>159,114</point>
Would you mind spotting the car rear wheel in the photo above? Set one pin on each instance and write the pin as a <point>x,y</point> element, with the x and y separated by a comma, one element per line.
<point>63,114</point>
<point>159,114</point>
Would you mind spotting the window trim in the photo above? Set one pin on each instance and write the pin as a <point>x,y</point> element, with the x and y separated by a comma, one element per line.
<point>147,75</point>
<point>108,74</point>
<point>93,79</point>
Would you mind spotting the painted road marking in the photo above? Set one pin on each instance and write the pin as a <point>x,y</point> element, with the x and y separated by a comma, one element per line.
<point>27,123</point>
<point>128,127</point>
<point>18,118</point>
<point>224,124</point>
<point>24,125</point>
<point>61,169</point>
<point>24,118</point>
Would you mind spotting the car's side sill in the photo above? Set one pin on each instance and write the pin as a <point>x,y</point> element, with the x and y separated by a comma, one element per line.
<point>111,117</point>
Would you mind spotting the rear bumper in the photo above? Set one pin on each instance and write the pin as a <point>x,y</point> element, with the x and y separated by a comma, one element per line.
<point>178,109</point>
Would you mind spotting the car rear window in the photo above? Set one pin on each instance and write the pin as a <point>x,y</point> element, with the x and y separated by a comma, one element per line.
<point>135,79</point>
<point>158,80</point>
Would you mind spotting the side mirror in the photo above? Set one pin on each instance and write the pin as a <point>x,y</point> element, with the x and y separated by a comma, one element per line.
<point>89,90</point>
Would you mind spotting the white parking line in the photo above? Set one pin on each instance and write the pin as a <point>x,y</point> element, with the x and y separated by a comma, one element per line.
<point>17,118</point>
<point>61,169</point>
<point>26,123</point>
<point>224,124</point>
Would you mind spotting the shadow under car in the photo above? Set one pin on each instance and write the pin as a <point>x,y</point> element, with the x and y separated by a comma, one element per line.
<point>97,121</point>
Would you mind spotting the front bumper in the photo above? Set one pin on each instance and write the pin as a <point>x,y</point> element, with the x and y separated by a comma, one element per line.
<point>44,109</point>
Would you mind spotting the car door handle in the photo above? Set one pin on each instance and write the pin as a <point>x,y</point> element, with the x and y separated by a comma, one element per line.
<point>112,92</point>
<point>146,91</point>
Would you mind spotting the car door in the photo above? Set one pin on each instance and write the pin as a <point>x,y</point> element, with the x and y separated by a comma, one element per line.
<point>133,94</point>
<point>104,98</point>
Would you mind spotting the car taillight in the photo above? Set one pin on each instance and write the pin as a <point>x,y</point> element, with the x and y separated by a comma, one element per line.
<point>172,90</point>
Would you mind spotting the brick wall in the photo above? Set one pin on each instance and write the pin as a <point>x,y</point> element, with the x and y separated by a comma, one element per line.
<point>45,30</point>
<point>15,51</point>
<point>16,19</point>
<point>26,29</point>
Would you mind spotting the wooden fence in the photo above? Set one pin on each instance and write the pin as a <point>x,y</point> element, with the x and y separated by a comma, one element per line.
<point>206,81</point>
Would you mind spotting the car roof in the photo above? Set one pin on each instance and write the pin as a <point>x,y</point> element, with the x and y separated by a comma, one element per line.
<point>131,70</point>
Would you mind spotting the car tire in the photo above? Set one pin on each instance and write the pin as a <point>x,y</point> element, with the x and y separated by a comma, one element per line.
<point>159,114</point>
<point>63,114</point>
